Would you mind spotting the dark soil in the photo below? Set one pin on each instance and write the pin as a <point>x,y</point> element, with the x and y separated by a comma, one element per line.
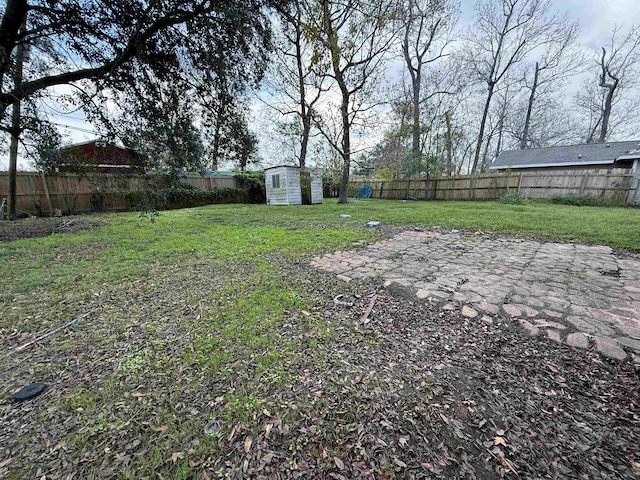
<point>415,392</point>
<point>401,389</point>
<point>42,227</point>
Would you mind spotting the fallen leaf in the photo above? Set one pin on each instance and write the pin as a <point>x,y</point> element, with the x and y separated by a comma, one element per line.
<point>499,441</point>
<point>160,429</point>
<point>268,457</point>
<point>386,424</point>
<point>400,463</point>
<point>337,476</point>
<point>176,455</point>
<point>6,462</point>
<point>304,312</point>
<point>402,441</point>
<point>247,444</point>
<point>339,463</point>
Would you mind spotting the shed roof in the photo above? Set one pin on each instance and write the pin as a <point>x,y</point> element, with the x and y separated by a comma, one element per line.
<point>568,155</point>
<point>281,166</point>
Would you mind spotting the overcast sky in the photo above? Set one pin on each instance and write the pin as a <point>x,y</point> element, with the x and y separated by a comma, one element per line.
<point>596,17</point>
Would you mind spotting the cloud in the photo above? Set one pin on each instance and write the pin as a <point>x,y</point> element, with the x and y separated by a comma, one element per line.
<point>598,18</point>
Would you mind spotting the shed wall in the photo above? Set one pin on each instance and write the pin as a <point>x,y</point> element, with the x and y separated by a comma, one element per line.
<point>293,185</point>
<point>316,186</point>
<point>277,196</point>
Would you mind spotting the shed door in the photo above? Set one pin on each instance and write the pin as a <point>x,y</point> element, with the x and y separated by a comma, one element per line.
<point>305,186</point>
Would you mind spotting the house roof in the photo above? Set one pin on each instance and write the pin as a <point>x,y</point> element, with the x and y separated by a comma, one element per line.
<point>567,156</point>
<point>91,142</point>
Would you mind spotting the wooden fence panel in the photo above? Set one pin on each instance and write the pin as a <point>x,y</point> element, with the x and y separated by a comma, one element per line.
<point>75,193</point>
<point>611,184</point>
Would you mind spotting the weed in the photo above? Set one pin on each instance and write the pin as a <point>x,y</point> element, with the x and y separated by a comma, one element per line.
<point>512,199</point>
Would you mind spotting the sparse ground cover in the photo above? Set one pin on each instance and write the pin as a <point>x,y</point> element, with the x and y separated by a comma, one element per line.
<point>215,313</point>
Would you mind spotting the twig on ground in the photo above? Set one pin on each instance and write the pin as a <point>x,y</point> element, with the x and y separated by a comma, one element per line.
<point>337,301</point>
<point>55,330</point>
<point>365,316</point>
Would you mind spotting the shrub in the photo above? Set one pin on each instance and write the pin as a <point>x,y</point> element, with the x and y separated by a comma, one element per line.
<point>578,200</point>
<point>512,198</point>
<point>182,196</point>
<point>252,183</point>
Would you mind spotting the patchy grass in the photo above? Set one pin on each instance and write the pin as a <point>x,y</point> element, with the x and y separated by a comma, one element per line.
<point>617,226</point>
<point>213,313</point>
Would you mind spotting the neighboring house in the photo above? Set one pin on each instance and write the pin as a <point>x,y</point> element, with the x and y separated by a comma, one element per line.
<point>293,185</point>
<point>99,156</point>
<point>588,156</point>
<point>605,170</point>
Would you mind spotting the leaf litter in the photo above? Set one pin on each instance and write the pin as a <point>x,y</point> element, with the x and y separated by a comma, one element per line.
<point>369,383</point>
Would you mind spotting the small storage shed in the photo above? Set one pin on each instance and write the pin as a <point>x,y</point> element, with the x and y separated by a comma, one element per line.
<point>287,185</point>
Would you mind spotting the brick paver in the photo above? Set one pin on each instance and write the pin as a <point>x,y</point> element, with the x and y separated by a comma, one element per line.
<point>576,294</point>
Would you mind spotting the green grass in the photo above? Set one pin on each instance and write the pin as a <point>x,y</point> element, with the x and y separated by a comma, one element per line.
<point>73,266</point>
<point>191,311</point>
<point>617,227</point>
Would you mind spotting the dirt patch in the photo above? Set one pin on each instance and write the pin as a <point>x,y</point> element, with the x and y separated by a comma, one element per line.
<point>411,391</point>
<point>379,386</point>
<point>42,227</point>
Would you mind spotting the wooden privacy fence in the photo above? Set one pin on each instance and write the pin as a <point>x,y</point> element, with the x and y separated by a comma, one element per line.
<point>614,185</point>
<point>39,193</point>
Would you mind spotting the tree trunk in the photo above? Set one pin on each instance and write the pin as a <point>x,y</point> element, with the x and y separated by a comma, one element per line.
<point>215,160</point>
<point>304,113</point>
<point>15,132</point>
<point>524,141</point>
<point>346,146</point>
<point>449,146</point>
<point>415,131</point>
<point>306,131</point>
<point>483,123</point>
<point>483,165</point>
<point>606,113</point>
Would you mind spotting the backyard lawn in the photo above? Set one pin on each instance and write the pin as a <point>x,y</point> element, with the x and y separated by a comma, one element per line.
<point>214,313</point>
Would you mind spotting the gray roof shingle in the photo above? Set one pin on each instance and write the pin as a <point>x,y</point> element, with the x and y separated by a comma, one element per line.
<point>569,155</point>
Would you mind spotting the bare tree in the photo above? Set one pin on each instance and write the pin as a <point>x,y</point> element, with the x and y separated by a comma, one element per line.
<point>352,37</point>
<point>559,60</point>
<point>427,27</point>
<point>618,69</point>
<point>295,81</point>
<point>505,32</point>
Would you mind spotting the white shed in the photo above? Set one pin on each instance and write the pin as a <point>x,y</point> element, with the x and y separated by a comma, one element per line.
<point>293,185</point>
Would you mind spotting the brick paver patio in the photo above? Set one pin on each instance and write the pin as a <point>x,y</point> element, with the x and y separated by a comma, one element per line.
<point>577,294</point>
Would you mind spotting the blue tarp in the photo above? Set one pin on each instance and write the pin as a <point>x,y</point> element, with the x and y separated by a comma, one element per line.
<point>364,191</point>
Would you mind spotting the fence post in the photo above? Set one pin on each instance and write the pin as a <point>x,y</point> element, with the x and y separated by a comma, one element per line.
<point>519,182</point>
<point>46,192</point>
<point>583,183</point>
<point>633,197</point>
